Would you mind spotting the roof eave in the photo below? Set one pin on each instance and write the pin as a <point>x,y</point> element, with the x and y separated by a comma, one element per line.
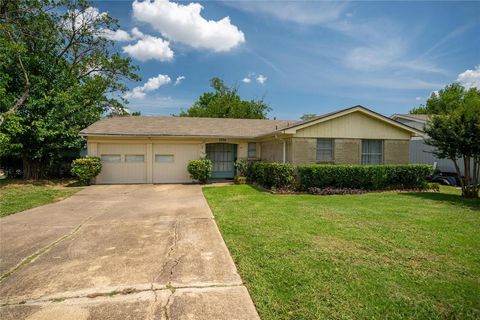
<point>152,135</point>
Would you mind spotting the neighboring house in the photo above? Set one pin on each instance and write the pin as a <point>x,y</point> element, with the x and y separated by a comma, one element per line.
<point>157,149</point>
<point>420,152</point>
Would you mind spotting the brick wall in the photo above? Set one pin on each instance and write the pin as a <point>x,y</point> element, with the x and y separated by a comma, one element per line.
<point>272,151</point>
<point>347,151</point>
<point>396,151</point>
<point>304,150</point>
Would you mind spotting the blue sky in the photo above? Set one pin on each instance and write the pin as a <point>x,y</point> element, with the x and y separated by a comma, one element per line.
<point>300,57</point>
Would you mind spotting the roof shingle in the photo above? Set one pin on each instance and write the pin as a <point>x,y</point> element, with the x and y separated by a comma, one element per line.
<point>184,127</point>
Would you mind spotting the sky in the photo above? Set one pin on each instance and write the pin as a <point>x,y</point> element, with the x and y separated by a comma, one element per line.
<point>298,56</point>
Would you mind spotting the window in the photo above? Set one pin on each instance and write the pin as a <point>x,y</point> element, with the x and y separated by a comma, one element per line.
<point>164,158</point>
<point>111,158</point>
<point>325,150</point>
<point>372,151</point>
<point>134,158</point>
<point>252,150</point>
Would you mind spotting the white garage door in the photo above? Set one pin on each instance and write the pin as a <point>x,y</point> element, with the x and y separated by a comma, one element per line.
<point>122,163</point>
<point>170,162</point>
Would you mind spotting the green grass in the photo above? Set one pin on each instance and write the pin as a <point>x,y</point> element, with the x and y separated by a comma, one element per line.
<point>371,256</point>
<point>18,195</point>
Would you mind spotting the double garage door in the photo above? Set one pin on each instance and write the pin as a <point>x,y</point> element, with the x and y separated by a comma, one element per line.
<point>146,163</point>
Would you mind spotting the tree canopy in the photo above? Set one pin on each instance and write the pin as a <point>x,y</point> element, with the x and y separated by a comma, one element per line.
<point>308,116</point>
<point>58,74</point>
<point>225,102</point>
<point>454,130</point>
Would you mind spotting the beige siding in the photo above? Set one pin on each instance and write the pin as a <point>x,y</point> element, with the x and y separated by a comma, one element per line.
<point>122,172</point>
<point>396,151</point>
<point>354,125</point>
<point>242,150</point>
<point>150,171</point>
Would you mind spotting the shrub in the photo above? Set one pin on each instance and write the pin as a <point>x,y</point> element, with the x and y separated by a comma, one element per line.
<point>240,180</point>
<point>85,169</point>
<point>273,174</point>
<point>242,167</point>
<point>433,186</point>
<point>200,169</point>
<point>330,191</point>
<point>380,177</point>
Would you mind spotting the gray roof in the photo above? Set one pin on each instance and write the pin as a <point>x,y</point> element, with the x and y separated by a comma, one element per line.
<point>413,117</point>
<point>184,127</point>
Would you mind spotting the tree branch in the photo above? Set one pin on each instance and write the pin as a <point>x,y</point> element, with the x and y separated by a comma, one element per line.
<point>26,89</point>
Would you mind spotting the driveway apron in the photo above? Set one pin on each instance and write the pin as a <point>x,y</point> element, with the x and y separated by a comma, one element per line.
<point>120,252</point>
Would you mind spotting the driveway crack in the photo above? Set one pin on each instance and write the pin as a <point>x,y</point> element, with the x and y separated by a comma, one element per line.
<point>171,251</point>
<point>27,260</point>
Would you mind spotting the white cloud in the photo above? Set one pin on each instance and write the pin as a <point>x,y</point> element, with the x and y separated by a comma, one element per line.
<point>470,78</point>
<point>184,24</point>
<point>137,34</point>
<point>304,12</point>
<point>418,98</point>
<point>261,79</point>
<point>179,80</point>
<point>117,35</point>
<point>246,80</point>
<point>150,47</point>
<point>151,85</point>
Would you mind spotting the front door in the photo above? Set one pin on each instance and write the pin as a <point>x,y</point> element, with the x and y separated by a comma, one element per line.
<point>223,156</point>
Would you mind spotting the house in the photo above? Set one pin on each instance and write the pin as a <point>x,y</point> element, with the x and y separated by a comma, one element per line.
<point>422,153</point>
<point>149,149</point>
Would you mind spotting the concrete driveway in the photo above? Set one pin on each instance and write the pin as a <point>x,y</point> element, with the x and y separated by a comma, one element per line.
<point>120,252</point>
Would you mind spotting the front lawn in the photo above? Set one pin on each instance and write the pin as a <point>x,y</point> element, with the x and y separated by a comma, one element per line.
<point>371,256</point>
<point>18,195</point>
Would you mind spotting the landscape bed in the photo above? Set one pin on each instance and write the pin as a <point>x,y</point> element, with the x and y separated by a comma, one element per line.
<point>369,256</point>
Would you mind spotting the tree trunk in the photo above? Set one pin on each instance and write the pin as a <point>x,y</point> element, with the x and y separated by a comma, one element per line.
<point>34,169</point>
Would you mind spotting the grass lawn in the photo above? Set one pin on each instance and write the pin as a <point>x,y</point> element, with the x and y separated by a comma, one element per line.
<point>371,256</point>
<point>18,195</point>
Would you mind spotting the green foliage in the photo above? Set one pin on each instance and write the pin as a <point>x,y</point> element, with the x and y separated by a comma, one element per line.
<point>58,74</point>
<point>273,174</point>
<point>378,177</point>
<point>240,180</point>
<point>226,103</point>
<point>243,167</point>
<point>85,169</point>
<point>454,130</point>
<point>200,170</point>
<point>419,110</point>
<point>308,116</point>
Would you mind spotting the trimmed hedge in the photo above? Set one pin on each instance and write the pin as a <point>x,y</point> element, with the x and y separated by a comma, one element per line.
<point>272,174</point>
<point>200,169</point>
<point>85,169</point>
<point>378,177</point>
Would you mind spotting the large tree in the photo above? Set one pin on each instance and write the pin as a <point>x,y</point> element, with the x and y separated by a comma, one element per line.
<point>454,130</point>
<point>58,74</point>
<point>225,102</point>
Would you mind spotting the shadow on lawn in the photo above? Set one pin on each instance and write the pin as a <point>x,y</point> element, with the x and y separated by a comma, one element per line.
<point>445,197</point>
